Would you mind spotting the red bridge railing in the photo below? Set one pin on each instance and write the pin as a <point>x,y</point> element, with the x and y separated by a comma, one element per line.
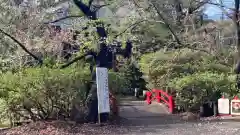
<point>160,95</point>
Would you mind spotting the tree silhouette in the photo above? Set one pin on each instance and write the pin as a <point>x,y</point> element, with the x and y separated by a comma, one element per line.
<point>104,57</point>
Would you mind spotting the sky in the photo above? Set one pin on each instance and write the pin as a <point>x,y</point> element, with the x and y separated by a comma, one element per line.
<point>214,12</point>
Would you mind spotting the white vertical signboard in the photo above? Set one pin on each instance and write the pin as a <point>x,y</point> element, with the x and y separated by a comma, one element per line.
<point>102,90</point>
<point>223,106</point>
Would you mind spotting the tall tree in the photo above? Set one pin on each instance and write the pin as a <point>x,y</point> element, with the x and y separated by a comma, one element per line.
<point>237,26</point>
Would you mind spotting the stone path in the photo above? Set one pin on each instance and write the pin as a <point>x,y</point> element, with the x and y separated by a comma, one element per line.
<point>142,119</point>
<point>139,113</point>
<point>133,109</point>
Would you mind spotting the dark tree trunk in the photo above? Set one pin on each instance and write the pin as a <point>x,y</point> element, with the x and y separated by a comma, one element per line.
<point>237,25</point>
<point>104,58</point>
<point>92,104</point>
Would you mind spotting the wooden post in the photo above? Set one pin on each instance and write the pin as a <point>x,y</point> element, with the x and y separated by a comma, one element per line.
<point>215,109</point>
<point>99,118</point>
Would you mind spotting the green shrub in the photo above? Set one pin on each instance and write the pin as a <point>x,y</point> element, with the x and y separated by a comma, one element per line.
<point>192,90</point>
<point>41,93</point>
<point>134,76</point>
<point>118,82</point>
<point>161,67</point>
<point>44,93</point>
<point>195,76</point>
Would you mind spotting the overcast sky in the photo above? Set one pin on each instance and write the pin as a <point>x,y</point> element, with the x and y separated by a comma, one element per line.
<point>215,12</point>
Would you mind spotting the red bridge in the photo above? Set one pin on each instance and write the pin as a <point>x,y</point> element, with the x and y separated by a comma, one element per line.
<point>160,96</point>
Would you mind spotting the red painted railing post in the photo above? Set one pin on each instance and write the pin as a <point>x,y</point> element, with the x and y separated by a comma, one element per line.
<point>149,97</point>
<point>171,104</point>
<point>158,96</point>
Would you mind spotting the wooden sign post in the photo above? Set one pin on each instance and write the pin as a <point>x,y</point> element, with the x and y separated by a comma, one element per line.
<point>102,91</point>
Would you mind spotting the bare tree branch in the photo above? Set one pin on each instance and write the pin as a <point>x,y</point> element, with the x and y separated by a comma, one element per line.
<point>22,46</point>
<point>135,3</point>
<point>210,3</point>
<point>134,25</point>
<point>100,6</point>
<point>219,5</point>
<point>63,18</point>
<point>223,8</point>
<point>73,61</point>
<point>167,24</point>
<point>90,3</point>
<point>179,10</point>
<point>74,16</point>
<point>199,5</point>
<point>77,59</point>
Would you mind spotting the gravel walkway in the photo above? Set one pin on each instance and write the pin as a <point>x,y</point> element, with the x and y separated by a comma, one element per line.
<point>142,119</point>
<point>186,128</point>
<point>137,118</point>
